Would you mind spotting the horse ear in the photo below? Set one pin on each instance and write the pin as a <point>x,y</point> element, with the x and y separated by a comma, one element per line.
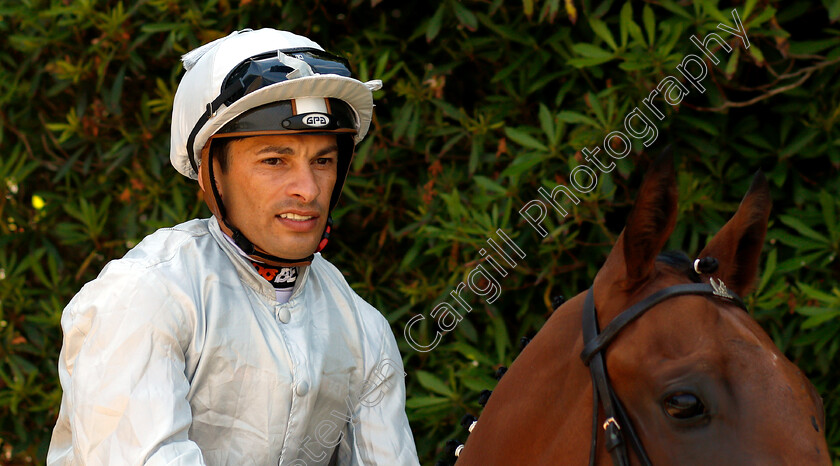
<point>737,246</point>
<point>649,224</point>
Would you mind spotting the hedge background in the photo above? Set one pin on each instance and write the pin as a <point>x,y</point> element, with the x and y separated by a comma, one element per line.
<point>484,101</point>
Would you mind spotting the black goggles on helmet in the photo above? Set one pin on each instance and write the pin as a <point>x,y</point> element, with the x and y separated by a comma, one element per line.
<point>267,68</point>
<point>261,71</point>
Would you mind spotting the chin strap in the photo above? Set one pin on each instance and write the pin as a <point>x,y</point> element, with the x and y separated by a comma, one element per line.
<point>325,237</point>
<point>214,201</point>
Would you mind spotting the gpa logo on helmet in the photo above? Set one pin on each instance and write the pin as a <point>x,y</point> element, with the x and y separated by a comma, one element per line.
<point>316,120</point>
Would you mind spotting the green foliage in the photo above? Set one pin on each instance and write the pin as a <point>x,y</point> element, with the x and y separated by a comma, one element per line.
<point>484,102</point>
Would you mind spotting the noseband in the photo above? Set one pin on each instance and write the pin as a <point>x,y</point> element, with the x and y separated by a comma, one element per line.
<point>595,342</point>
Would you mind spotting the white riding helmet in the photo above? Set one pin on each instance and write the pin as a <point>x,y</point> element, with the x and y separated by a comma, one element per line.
<point>265,82</point>
<point>200,92</point>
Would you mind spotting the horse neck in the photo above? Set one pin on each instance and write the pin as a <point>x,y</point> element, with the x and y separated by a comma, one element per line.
<point>543,403</point>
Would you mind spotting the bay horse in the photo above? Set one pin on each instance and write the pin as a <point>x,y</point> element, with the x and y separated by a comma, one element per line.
<point>692,378</point>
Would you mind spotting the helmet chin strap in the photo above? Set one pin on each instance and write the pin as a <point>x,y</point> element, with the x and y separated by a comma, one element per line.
<point>214,201</point>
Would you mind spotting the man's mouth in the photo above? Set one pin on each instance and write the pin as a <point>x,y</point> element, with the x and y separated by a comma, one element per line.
<point>296,217</point>
<point>302,221</point>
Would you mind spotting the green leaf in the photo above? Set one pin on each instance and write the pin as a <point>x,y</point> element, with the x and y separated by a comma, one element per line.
<point>815,321</point>
<point>802,229</point>
<point>650,23</point>
<point>362,152</point>
<point>769,269</point>
<point>667,44</point>
<point>766,14</point>
<point>595,105</point>
<point>818,294</point>
<point>703,124</point>
<point>799,142</point>
<point>501,337</point>
<point>587,62</point>
<point>430,382</point>
<point>710,7</point>
<point>547,124</point>
<point>471,352</point>
<point>601,30</point>
<point>543,81</point>
<point>524,139</point>
<point>732,64</point>
<point>415,402</point>
<point>592,51</point>
<point>804,245</point>
<point>448,109</point>
<point>673,7</point>
<point>521,164</point>
<point>475,152</point>
<point>811,47</point>
<point>833,7</point>
<point>758,141</point>
<point>575,117</point>
<point>113,98</point>
<point>489,184</point>
<point>827,202</point>
<point>748,8</point>
<point>478,383</point>
<point>453,204</point>
<point>465,16</point>
<point>160,27</point>
<point>528,7</point>
<point>636,33</point>
<point>433,28</point>
<point>798,262</point>
<point>402,121</point>
<point>624,20</point>
<point>410,255</point>
<point>755,52</point>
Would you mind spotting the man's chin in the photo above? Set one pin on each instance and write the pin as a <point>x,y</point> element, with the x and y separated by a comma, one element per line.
<point>280,242</point>
<point>294,252</point>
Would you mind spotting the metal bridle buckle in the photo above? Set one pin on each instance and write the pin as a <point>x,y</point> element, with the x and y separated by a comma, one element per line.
<point>611,421</point>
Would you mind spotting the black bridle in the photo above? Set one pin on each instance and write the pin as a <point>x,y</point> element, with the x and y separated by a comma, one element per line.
<point>594,342</point>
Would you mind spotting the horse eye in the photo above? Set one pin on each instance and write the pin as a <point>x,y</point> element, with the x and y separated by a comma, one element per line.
<point>684,405</point>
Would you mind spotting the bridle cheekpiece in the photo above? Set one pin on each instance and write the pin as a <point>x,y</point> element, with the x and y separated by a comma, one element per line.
<point>617,422</point>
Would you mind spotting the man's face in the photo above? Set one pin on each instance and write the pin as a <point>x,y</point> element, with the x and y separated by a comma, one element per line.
<point>277,190</point>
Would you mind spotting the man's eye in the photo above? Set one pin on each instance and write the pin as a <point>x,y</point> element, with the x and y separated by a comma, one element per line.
<point>272,161</point>
<point>324,160</point>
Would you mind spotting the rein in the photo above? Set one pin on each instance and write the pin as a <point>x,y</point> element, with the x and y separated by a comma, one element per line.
<point>595,342</point>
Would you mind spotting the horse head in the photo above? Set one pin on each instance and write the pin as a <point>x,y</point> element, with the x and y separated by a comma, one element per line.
<point>696,378</point>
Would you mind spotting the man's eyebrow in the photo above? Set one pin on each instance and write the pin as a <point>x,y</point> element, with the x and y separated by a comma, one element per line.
<point>285,150</point>
<point>327,150</point>
<point>281,150</point>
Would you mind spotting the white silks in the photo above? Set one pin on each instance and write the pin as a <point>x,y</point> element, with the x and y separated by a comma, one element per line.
<point>179,354</point>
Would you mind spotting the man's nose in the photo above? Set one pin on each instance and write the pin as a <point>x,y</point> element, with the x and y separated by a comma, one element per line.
<point>303,184</point>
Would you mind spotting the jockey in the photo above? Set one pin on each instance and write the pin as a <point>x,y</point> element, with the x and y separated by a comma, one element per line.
<point>230,340</point>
